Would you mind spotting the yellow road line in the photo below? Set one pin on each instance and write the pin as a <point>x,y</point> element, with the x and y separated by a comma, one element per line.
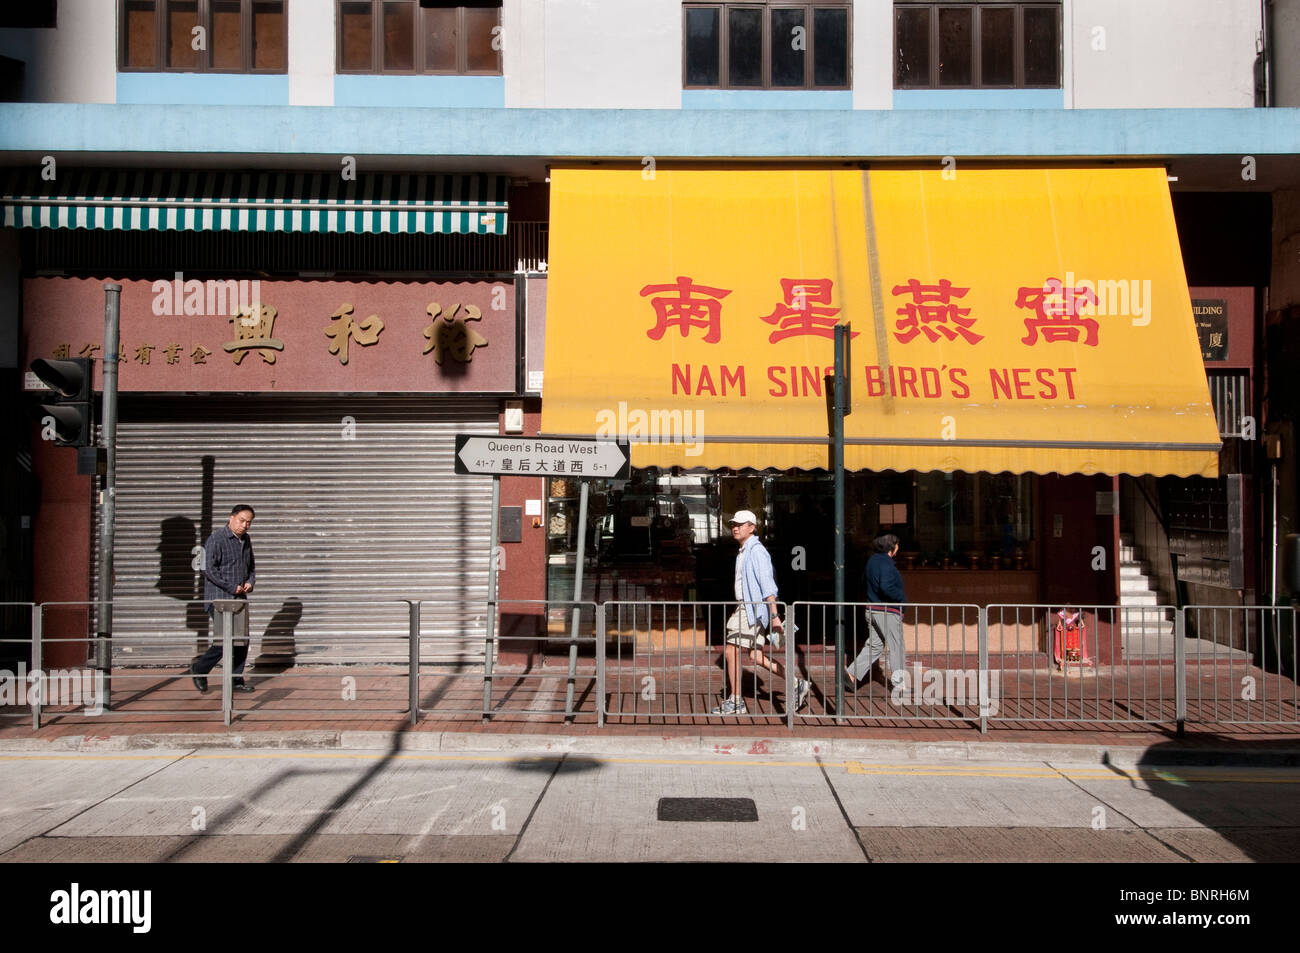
<point>1027,772</point>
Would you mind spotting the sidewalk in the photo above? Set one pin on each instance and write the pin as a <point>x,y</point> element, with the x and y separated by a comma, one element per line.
<point>337,706</point>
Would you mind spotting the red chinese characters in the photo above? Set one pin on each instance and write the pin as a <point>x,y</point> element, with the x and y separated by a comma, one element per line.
<point>803,310</point>
<point>686,305</point>
<point>1056,313</point>
<point>932,312</point>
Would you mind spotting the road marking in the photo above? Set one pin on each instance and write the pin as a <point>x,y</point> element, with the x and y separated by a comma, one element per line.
<point>1030,773</point>
<point>80,756</point>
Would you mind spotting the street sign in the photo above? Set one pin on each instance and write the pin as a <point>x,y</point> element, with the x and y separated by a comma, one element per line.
<point>542,456</point>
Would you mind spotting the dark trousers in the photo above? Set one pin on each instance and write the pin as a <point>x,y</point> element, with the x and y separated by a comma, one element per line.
<point>240,646</point>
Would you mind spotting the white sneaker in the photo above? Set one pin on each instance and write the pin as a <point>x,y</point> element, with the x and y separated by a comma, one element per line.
<point>734,705</point>
<point>802,688</point>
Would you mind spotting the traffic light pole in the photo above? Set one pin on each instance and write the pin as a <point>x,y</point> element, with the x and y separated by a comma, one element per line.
<point>108,507</point>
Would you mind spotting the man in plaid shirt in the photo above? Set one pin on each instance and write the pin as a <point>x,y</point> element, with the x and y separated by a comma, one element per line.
<point>228,573</point>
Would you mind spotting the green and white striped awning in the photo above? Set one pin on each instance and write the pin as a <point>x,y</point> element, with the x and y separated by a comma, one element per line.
<point>225,201</point>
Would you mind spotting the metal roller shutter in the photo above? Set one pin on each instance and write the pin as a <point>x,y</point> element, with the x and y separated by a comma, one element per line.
<point>356,504</point>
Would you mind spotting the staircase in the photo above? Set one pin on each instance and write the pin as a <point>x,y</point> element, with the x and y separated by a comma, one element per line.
<point>1146,633</point>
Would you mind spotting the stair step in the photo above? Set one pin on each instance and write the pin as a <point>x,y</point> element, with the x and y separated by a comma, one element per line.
<point>1147,598</point>
<point>1201,650</point>
<point>1136,595</point>
<point>1147,631</point>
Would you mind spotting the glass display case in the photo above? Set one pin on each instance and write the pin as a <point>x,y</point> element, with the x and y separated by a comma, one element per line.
<point>642,535</point>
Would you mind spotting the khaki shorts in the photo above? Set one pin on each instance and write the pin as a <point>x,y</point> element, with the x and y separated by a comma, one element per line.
<point>740,631</point>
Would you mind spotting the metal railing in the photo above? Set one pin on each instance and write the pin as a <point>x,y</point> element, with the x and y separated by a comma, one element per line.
<point>537,649</point>
<point>1094,664</point>
<point>1241,665</point>
<point>941,645</point>
<point>14,694</point>
<point>335,682</point>
<point>667,661</point>
<point>151,674</point>
<point>658,662</point>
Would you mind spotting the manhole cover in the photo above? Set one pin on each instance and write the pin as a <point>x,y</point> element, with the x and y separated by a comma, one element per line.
<point>707,809</point>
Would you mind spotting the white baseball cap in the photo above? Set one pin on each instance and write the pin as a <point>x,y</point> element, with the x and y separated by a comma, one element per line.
<point>744,516</point>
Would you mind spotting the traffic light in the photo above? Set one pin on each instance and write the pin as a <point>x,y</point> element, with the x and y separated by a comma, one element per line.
<point>68,421</point>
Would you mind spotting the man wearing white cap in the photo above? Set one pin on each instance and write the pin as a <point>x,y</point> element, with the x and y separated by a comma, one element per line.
<point>756,613</point>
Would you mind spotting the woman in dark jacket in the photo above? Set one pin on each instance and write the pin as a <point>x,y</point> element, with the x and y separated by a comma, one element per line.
<point>884,595</point>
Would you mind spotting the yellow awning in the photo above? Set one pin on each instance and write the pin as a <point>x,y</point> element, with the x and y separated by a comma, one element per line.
<point>1031,320</point>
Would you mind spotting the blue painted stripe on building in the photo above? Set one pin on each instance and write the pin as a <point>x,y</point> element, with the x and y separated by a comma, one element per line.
<point>45,128</point>
<point>209,89</point>
<point>467,92</point>
<point>767,99</point>
<point>979,99</point>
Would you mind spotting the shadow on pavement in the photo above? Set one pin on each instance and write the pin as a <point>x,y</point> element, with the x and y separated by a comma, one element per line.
<point>1238,802</point>
<point>305,836</point>
<point>278,650</point>
<point>567,762</point>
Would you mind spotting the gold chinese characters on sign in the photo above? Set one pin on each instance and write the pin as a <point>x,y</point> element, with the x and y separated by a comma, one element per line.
<point>448,333</point>
<point>450,336</point>
<point>253,333</point>
<point>343,329</point>
<point>143,352</point>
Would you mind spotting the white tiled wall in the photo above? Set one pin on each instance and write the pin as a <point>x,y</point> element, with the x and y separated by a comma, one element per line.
<point>311,52</point>
<point>1162,53</point>
<point>75,63</point>
<point>628,53</point>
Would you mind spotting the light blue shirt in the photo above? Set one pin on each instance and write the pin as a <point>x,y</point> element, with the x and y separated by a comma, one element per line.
<point>757,582</point>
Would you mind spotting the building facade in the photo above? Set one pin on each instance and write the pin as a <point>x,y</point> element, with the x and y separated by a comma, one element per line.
<point>500,173</point>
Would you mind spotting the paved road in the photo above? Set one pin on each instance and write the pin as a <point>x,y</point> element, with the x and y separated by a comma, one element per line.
<point>312,805</point>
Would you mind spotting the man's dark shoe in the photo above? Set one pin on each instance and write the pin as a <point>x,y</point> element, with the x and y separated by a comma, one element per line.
<point>200,681</point>
<point>242,686</point>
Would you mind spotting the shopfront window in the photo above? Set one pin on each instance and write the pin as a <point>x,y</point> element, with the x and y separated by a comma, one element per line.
<point>644,535</point>
<point>664,536</point>
<point>968,520</point>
